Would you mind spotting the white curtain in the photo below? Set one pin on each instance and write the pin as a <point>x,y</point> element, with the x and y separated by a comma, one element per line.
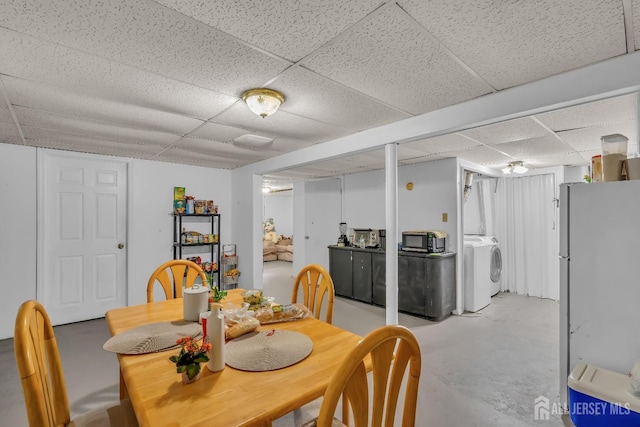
<point>526,226</point>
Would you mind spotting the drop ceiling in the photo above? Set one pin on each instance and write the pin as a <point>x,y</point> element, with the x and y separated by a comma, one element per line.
<point>162,80</point>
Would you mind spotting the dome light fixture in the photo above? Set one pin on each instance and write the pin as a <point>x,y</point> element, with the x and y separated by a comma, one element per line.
<point>262,101</point>
<point>516,167</point>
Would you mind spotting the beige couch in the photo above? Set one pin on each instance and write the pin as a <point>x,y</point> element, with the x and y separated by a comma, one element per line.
<point>284,249</point>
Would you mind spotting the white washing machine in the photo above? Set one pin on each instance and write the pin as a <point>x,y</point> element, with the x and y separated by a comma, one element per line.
<point>495,268</point>
<point>477,271</point>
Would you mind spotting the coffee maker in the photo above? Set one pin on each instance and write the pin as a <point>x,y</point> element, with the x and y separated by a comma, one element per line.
<point>342,240</point>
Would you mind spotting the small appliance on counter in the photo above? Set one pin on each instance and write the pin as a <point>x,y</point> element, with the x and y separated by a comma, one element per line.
<point>429,241</point>
<point>342,240</point>
<point>364,237</point>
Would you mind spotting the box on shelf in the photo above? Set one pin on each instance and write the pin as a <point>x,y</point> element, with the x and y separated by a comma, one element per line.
<point>599,398</point>
<point>179,205</point>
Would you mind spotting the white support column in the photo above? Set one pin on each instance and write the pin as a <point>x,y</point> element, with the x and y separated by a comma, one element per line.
<point>391,224</point>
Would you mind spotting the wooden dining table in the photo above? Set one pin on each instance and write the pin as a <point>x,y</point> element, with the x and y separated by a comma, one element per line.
<point>230,397</point>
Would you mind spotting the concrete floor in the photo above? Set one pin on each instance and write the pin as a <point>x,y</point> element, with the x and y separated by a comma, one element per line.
<point>482,369</point>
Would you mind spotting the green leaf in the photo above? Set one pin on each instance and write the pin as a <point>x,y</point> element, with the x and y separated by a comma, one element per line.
<point>202,358</point>
<point>192,370</point>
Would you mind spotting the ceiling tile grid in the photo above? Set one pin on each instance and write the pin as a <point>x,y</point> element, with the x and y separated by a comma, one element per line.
<point>612,110</point>
<point>8,132</point>
<point>76,104</point>
<point>509,43</point>
<point>287,28</point>
<point>389,58</point>
<point>172,45</point>
<point>564,159</point>
<point>44,62</point>
<point>57,122</point>
<point>589,138</point>
<point>512,130</point>
<point>311,95</point>
<point>486,156</point>
<point>636,22</point>
<point>282,123</point>
<point>239,155</point>
<point>530,148</point>
<point>443,144</point>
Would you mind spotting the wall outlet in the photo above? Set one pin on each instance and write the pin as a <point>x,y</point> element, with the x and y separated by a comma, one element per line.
<point>445,217</point>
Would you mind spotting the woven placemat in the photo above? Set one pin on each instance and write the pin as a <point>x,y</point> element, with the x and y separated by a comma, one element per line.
<point>152,337</point>
<point>267,350</point>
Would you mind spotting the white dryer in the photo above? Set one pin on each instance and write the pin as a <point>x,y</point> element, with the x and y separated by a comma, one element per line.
<point>477,271</point>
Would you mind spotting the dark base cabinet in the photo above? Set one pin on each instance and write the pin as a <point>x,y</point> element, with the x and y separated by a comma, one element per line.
<point>379,278</point>
<point>341,271</point>
<point>426,282</point>
<point>412,279</point>
<point>361,276</point>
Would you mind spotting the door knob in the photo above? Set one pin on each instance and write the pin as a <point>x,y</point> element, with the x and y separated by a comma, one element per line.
<point>120,245</point>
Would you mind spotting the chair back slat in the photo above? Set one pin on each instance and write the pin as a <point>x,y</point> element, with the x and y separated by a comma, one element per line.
<point>316,283</point>
<point>173,276</point>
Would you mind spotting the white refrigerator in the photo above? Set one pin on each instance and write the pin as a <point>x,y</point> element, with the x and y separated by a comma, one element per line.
<point>599,276</point>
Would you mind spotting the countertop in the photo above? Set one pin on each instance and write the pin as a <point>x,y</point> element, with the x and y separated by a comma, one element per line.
<point>402,253</point>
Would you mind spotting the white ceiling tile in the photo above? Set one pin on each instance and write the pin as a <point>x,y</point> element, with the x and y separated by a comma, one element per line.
<point>40,61</point>
<point>9,133</point>
<point>87,144</point>
<point>280,124</point>
<point>636,23</point>
<point>612,110</point>
<point>566,159</point>
<point>288,28</point>
<point>150,37</point>
<point>49,121</point>
<point>590,138</point>
<point>484,156</point>
<point>218,132</point>
<point>390,59</point>
<point>512,130</point>
<point>442,144</point>
<point>285,145</point>
<point>310,95</point>
<point>5,115</point>
<point>530,148</point>
<point>513,42</point>
<point>182,156</point>
<point>423,159</point>
<point>72,103</point>
<point>229,151</point>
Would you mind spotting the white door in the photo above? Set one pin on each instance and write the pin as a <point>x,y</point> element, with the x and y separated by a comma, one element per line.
<point>323,206</point>
<point>81,243</point>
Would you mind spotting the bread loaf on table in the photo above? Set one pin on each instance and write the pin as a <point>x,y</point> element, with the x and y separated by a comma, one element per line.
<point>245,326</point>
<point>283,313</point>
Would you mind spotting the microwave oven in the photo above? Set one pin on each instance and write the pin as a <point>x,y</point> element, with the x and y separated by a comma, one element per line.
<point>429,241</point>
<point>366,237</point>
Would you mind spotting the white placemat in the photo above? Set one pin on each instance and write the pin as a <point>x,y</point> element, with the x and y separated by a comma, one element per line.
<point>152,337</point>
<point>267,350</point>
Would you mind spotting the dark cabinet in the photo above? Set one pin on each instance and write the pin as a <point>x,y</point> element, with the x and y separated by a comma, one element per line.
<point>341,271</point>
<point>426,282</point>
<point>379,278</point>
<point>362,276</point>
<point>412,277</point>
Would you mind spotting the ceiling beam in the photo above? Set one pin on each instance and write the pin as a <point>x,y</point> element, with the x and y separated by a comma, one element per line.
<point>609,78</point>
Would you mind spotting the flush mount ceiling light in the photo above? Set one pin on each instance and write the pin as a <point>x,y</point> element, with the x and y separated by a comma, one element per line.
<point>262,101</point>
<point>517,167</point>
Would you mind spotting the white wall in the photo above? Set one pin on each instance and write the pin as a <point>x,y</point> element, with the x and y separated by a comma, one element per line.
<point>17,231</point>
<point>150,205</point>
<point>150,225</point>
<point>279,206</point>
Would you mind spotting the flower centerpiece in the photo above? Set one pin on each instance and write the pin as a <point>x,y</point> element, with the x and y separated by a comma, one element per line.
<point>190,357</point>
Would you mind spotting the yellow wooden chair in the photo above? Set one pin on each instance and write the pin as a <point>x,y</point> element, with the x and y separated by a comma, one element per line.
<point>388,369</point>
<point>315,282</point>
<point>40,369</point>
<point>171,274</point>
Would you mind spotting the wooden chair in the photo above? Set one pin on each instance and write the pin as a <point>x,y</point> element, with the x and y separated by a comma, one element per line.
<point>171,274</point>
<point>40,369</point>
<point>315,282</point>
<point>388,370</point>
